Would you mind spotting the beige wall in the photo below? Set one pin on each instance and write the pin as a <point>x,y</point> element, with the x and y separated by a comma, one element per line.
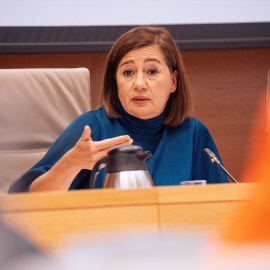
<point>227,86</point>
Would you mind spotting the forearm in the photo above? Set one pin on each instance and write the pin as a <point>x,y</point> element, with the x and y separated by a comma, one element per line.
<point>59,177</point>
<point>83,155</point>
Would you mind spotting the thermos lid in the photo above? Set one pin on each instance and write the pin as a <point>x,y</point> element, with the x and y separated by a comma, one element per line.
<point>126,158</point>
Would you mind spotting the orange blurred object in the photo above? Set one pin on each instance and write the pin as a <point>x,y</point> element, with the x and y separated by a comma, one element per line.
<point>252,222</point>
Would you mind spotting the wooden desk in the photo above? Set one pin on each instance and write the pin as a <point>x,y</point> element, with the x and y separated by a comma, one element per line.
<point>49,217</point>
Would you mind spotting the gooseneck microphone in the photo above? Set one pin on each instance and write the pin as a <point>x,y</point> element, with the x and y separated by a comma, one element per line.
<point>212,157</point>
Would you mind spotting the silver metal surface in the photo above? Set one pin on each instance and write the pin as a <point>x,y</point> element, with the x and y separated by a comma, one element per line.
<point>128,180</point>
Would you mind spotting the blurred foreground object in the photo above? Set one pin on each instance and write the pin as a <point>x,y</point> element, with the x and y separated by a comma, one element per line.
<point>16,250</point>
<point>254,219</point>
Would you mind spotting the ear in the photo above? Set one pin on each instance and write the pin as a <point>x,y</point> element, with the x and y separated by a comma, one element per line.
<point>174,77</point>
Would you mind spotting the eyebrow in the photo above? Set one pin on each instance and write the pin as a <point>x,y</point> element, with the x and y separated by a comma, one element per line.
<point>145,61</point>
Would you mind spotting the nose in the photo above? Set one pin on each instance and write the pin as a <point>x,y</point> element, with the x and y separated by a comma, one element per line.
<point>139,82</point>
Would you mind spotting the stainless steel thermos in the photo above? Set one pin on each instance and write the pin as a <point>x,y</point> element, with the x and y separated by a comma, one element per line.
<point>125,168</point>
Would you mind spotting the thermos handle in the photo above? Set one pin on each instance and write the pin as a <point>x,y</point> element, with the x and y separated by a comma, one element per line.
<point>96,169</point>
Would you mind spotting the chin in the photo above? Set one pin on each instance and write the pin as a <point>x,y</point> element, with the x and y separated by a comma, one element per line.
<point>144,116</point>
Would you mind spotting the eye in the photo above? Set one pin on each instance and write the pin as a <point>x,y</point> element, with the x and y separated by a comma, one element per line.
<point>152,71</point>
<point>128,72</point>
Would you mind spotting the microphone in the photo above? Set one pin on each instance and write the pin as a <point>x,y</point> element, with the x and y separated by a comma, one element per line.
<point>212,157</point>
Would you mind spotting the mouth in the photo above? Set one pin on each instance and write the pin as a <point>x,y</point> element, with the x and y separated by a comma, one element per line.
<point>140,99</point>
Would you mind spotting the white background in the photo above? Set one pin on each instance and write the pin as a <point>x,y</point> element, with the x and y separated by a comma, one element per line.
<point>130,12</point>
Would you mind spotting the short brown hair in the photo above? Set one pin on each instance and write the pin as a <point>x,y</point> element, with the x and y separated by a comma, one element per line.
<point>179,104</point>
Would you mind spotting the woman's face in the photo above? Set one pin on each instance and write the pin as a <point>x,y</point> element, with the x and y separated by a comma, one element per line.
<point>145,82</point>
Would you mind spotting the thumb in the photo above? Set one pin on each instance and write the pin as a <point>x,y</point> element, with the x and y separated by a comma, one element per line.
<point>86,136</point>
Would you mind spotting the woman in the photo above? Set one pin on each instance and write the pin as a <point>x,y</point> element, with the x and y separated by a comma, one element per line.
<point>145,100</point>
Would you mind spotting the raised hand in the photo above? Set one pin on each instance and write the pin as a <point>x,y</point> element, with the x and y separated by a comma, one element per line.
<point>87,152</point>
<point>83,155</point>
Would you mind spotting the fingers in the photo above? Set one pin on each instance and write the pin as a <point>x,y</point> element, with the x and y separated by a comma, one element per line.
<point>86,136</point>
<point>107,144</point>
<point>117,141</point>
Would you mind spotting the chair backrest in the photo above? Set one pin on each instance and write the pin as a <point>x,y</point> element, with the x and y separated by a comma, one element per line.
<point>36,105</point>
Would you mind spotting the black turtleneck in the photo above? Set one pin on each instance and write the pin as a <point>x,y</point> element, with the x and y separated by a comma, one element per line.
<point>145,133</point>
